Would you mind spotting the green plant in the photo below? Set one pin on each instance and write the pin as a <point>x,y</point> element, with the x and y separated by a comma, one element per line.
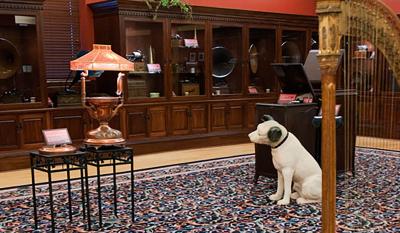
<point>156,4</point>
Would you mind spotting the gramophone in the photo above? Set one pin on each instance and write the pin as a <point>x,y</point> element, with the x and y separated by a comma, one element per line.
<point>223,65</point>
<point>10,62</point>
<point>103,109</point>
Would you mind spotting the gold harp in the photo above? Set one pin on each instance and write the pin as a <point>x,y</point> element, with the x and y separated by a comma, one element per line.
<point>345,24</point>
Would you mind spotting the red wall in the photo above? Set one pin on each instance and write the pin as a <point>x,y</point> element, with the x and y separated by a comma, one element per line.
<point>299,7</point>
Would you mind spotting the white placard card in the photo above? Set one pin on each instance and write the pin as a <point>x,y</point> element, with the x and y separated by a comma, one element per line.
<point>154,68</point>
<point>191,43</point>
<point>55,137</point>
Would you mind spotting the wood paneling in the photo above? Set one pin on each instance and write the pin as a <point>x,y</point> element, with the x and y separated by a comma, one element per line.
<point>199,116</point>
<point>157,121</point>
<point>137,122</point>
<point>189,119</point>
<point>251,115</point>
<point>73,120</point>
<point>227,116</point>
<point>31,129</point>
<point>218,117</point>
<point>235,116</point>
<point>180,115</point>
<point>9,132</point>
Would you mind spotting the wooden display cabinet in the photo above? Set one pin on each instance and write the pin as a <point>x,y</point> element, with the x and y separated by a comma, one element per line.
<point>261,52</point>
<point>145,38</point>
<point>227,116</point>
<point>9,132</point>
<point>143,122</point>
<point>314,43</point>
<point>136,122</point>
<point>251,115</point>
<point>227,51</point>
<point>21,78</point>
<point>22,130</point>
<point>187,59</point>
<point>189,119</point>
<point>293,46</point>
<point>75,120</point>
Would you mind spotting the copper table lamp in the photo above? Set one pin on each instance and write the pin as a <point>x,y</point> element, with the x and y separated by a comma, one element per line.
<point>103,109</point>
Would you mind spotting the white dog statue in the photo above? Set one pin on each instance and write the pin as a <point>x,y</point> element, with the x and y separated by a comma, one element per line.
<point>293,163</point>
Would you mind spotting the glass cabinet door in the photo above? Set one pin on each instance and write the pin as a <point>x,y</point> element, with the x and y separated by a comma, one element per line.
<point>314,41</point>
<point>187,59</point>
<point>293,46</point>
<point>144,47</point>
<point>261,54</point>
<point>19,60</point>
<point>226,60</point>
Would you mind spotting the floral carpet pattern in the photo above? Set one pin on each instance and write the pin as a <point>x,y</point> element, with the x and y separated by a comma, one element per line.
<point>217,196</point>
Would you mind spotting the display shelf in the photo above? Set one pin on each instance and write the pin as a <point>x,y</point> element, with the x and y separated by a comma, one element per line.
<point>187,59</point>
<point>21,77</point>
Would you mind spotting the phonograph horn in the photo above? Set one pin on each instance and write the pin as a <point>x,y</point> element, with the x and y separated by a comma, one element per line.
<point>223,62</point>
<point>10,60</point>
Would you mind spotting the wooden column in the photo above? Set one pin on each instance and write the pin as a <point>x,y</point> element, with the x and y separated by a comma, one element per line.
<point>328,160</point>
<point>328,14</point>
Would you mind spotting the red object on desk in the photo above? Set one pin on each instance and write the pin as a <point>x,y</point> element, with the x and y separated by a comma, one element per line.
<point>286,98</point>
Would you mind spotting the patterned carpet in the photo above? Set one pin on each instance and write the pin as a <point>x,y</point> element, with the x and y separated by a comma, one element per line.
<point>218,196</point>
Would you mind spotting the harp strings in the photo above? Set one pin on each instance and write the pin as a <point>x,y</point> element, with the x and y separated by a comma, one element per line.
<point>348,72</point>
<point>346,84</point>
<point>366,70</point>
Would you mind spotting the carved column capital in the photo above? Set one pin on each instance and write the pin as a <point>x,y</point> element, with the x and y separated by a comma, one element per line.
<point>328,63</point>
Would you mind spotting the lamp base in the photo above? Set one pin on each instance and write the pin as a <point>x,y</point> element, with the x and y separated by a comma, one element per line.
<point>104,135</point>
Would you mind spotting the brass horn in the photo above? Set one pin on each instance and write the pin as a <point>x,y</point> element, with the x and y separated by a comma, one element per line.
<point>10,59</point>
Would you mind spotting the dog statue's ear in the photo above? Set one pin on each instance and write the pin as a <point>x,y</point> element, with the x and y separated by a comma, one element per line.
<point>274,134</point>
<point>266,118</point>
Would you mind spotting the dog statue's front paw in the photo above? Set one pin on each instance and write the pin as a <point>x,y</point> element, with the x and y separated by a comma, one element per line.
<point>283,202</point>
<point>275,197</point>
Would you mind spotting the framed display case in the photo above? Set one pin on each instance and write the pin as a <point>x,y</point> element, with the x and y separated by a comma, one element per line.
<point>144,46</point>
<point>226,59</point>
<point>187,59</point>
<point>20,60</point>
<point>314,40</point>
<point>293,46</point>
<point>261,53</point>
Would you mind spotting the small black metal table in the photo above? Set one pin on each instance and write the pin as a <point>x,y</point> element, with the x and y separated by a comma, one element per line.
<point>110,156</point>
<point>52,163</point>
